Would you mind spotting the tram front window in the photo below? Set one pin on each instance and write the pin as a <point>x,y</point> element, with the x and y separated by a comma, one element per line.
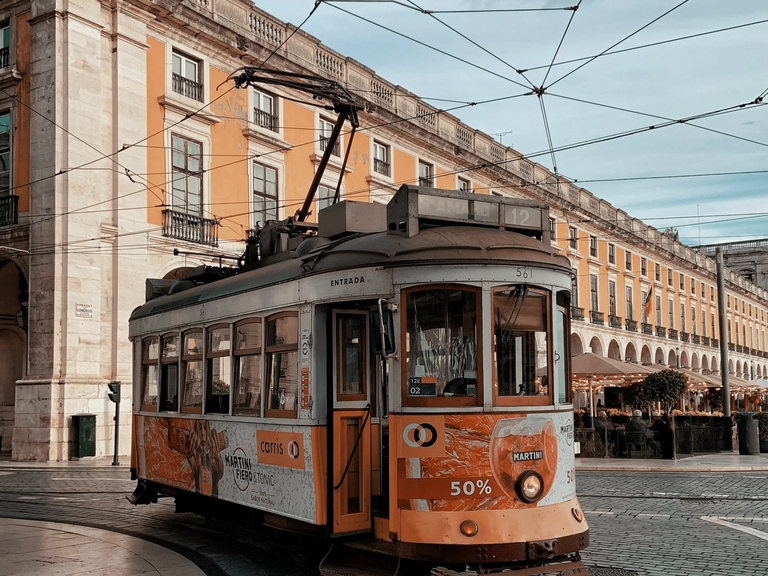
<point>282,357</point>
<point>521,350</point>
<point>441,343</point>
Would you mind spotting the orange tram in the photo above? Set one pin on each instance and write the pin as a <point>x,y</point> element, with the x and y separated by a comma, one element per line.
<point>393,380</point>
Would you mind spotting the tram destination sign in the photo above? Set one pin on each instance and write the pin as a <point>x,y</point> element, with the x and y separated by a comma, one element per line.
<point>489,212</point>
<point>422,386</point>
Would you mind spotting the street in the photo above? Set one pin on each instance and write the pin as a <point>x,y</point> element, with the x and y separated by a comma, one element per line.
<point>648,523</point>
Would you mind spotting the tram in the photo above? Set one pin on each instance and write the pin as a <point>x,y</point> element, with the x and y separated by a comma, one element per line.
<point>396,379</point>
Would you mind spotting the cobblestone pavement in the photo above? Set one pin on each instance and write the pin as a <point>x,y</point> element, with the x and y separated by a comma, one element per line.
<point>647,523</point>
<point>669,524</point>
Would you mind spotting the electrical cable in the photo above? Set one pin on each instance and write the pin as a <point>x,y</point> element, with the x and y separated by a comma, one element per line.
<point>472,11</point>
<point>562,39</point>
<point>741,173</point>
<point>617,43</point>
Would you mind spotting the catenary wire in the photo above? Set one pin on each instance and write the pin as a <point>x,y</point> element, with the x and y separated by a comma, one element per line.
<point>559,45</point>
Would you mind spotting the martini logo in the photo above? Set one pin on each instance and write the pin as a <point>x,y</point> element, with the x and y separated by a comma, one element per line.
<point>527,456</point>
<point>567,432</point>
<point>242,468</point>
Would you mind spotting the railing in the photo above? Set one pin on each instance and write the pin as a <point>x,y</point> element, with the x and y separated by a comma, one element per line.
<point>696,339</point>
<point>187,87</point>
<point>336,147</point>
<point>427,182</point>
<point>4,54</point>
<point>739,349</point>
<point>596,317</point>
<point>647,328</point>
<point>705,340</point>
<point>630,325</point>
<point>673,334</point>
<point>190,227</point>
<point>381,166</point>
<point>614,322</point>
<point>731,346</point>
<point>684,336</point>
<point>265,120</point>
<point>577,313</point>
<point>661,331</point>
<point>9,210</point>
<point>715,343</point>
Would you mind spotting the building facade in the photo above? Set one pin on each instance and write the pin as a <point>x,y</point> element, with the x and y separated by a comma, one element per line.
<point>122,139</point>
<point>750,258</point>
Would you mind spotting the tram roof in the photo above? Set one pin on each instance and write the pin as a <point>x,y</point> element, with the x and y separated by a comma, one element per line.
<point>440,245</point>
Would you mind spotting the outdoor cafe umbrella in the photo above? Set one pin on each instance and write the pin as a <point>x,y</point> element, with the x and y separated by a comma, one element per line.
<point>591,366</point>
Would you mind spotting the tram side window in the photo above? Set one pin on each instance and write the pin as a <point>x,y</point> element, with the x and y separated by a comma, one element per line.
<point>149,373</point>
<point>247,384</point>
<point>192,372</point>
<point>521,348</point>
<point>441,343</point>
<point>562,347</point>
<point>169,373</point>
<point>218,370</point>
<point>282,357</point>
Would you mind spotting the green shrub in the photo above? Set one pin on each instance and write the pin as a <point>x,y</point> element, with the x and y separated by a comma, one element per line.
<point>762,424</point>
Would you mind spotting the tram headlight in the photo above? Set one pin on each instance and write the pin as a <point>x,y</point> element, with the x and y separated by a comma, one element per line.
<point>468,528</point>
<point>530,486</point>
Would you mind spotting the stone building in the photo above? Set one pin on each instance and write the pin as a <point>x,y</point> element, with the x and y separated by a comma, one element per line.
<point>121,140</point>
<point>749,259</point>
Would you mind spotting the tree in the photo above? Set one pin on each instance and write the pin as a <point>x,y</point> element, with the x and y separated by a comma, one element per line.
<point>635,396</point>
<point>665,387</point>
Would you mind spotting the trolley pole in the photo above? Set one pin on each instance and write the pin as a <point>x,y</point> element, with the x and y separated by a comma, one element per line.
<point>114,396</point>
<point>723,334</point>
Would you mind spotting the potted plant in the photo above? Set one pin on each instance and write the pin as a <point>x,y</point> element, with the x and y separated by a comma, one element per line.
<point>666,387</point>
<point>762,424</point>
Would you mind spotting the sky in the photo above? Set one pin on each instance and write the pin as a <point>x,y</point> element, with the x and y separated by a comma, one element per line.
<point>723,157</point>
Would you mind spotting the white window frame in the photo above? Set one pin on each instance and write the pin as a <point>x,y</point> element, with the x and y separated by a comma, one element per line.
<point>324,131</point>
<point>258,97</point>
<point>425,172</point>
<point>278,180</point>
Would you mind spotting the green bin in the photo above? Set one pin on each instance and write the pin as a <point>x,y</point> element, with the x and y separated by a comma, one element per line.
<point>85,435</point>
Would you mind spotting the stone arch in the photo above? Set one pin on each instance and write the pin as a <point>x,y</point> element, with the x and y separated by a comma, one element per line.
<point>684,363</point>
<point>738,368</point>
<point>576,346</point>
<point>595,346</point>
<point>645,355</point>
<point>713,365</point>
<point>630,355</point>
<point>672,359</point>
<point>12,361</point>
<point>695,362</point>
<point>730,366</point>
<point>614,351</point>
<point>704,363</point>
<point>659,357</point>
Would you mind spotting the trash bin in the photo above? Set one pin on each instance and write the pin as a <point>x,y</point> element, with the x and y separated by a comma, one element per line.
<point>749,434</point>
<point>85,435</point>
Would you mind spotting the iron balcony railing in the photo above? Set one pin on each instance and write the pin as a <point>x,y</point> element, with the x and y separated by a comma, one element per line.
<point>614,322</point>
<point>324,144</point>
<point>696,339</point>
<point>577,313</point>
<point>630,325</point>
<point>684,336</point>
<point>715,343</point>
<point>661,332</point>
<point>9,210</point>
<point>426,182</point>
<point>731,346</point>
<point>187,87</point>
<point>673,334</point>
<point>647,328</point>
<point>596,317</point>
<point>705,340</point>
<point>190,227</point>
<point>381,166</point>
<point>4,56</point>
<point>265,120</point>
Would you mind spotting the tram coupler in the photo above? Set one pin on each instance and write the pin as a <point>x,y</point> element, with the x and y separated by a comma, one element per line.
<point>542,549</point>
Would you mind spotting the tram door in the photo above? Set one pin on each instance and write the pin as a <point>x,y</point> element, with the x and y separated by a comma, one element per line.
<point>351,423</point>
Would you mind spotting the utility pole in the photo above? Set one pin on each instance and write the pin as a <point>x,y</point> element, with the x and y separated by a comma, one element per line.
<point>723,333</point>
<point>114,396</point>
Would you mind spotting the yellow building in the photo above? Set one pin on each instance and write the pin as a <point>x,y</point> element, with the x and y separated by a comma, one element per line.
<point>122,139</point>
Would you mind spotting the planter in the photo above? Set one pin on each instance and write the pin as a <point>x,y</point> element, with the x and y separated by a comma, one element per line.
<point>764,446</point>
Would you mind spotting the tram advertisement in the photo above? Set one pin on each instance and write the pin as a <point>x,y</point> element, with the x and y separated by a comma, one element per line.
<point>472,462</point>
<point>264,468</point>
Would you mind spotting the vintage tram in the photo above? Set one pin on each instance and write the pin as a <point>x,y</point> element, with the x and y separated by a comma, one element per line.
<point>395,380</point>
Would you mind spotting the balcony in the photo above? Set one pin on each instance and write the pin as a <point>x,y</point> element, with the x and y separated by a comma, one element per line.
<point>731,346</point>
<point>9,210</point>
<point>630,325</point>
<point>187,87</point>
<point>754,352</point>
<point>381,166</point>
<point>647,328</point>
<point>4,53</point>
<point>577,313</point>
<point>596,317</point>
<point>190,227</point>
<point>672,334</point>
<point>696,339</point>
<point>614,322</point>
<point>684,336</point>
<point>265,120</point>
<point>739,349</point>
<point>661,332</point>
<point>426,182</point>
<point>705,340</point>
<point>336,147</point>
<point>715,343</point>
